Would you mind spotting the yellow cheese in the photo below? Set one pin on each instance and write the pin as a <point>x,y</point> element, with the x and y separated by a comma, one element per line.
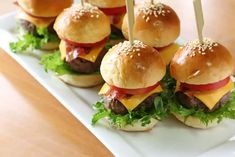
<point>62,47</point>
<point>94,53</point>
<point>91,56</point>
<point>39,22</point>
<point>210,98</point>
<point>168,52</point>
<point>131,102</point>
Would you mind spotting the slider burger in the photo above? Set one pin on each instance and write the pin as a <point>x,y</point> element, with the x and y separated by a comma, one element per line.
<point>131,98</point>
<point>204,90</point>
<point>156,25</point>
<point>115,10</point>
<point>35,20</point>
<point>84,31</point>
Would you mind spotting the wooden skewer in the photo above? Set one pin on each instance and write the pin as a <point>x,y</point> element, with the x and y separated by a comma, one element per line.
<point>199,18</point>
<point>152,1</point>
<point>130,13</point>
<point>82,2</point>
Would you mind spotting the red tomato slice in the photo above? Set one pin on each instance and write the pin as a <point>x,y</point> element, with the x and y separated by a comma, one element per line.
<point>116,92</point>
<point>206,87</point>
<point>114,11</point>
<point>85,44</point>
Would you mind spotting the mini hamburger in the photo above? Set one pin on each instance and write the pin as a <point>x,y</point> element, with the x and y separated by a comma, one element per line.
<point>204,92</point>
<point>84,31</point>
<point>156,25</point>
<point>35,24</point>
<point>116,11</point>
<point>131,96</point>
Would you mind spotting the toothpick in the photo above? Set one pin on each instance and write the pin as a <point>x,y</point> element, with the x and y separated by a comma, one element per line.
<point>199,18</point>
<point>130,13</point>
<point>82,2</point>
<point>152,1</point>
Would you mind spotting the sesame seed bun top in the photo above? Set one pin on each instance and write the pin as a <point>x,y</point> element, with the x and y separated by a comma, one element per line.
<point>44,8</point>
<point>132,66</point>
<point>82,24</point>
<point>205,63</point>
<point>156,25</point>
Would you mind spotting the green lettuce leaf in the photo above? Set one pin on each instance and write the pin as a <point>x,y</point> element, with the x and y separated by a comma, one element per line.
<point>225,111</point>
<point>53,62</point>
<point>160,112</point>
<point>34,41</point>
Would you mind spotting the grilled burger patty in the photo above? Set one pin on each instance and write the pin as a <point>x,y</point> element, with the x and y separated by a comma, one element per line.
<point>192,102</point>
<point>31,28</point>
<point>83,66</point>
<point>118,108</point>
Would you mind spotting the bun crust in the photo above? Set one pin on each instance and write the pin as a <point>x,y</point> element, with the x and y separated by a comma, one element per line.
<point>137,127</point>
<point>83,24</point>
<point>156,31</point>
<point>50,46</point>
<point>44,8</point>
<point>84,81</point>
<point>39,22</point>
<point>107,3</point>
<point>132,67</point>
<point>195,122</point>
<point>192,66</point>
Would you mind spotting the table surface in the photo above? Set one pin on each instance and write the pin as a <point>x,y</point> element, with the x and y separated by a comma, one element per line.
<point>34,123</point>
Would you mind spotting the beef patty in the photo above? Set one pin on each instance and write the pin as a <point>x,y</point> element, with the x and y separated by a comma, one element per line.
<point>118,108</point>
<point>192,102</point>
<point>32,29</point>
<point>83,66</point>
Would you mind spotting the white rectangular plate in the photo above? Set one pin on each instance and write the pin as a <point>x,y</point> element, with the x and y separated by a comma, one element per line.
<point>167,139</point>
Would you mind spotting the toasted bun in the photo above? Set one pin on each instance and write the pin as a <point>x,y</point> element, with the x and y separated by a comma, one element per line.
<point>154,27</point>
<point>193,66</point>
<point>137,127</point>
<point>44,8</point>
<point>39,22</point>
<point>132,67</point>
<point>195,122</point>
<point>83,81</point>
<point>83,24</point>
<point>107,3</point>
<point>50,46</point>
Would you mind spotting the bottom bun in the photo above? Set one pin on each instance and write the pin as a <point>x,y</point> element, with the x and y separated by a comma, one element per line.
<point>84,81</point>
<point>50,46</point>
<point>137,127</point>
<point>195,122</point>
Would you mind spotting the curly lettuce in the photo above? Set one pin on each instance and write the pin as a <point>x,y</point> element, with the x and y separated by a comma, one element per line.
<point>225,111</point>
<point>159,112</point>
<point>34,41</point>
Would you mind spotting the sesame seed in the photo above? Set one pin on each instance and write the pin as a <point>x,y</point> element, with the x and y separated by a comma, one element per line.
<point>126,47</point>
<point>156,9</point>
<point>207,44</point>
<point>78,11</point>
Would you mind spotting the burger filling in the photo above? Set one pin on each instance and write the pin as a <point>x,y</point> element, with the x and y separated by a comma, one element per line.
<point>189,101</point>
<point>75,58</point>
<point>125,109</point>
<point>32,36</point>
<point>118,108</point>
<point>207,105</point>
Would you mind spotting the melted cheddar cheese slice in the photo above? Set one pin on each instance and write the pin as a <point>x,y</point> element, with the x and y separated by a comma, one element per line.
<point>168,52</point>
<point>210,98</point>
<point>91,56</point>
<point>39,22</point>
<point>131,102</point>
